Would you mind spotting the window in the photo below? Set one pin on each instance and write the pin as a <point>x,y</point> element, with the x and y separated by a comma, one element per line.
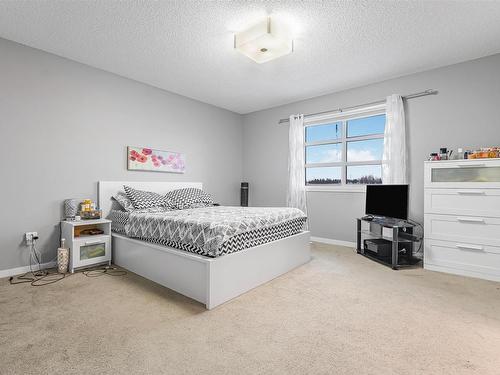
<point>345,149</point>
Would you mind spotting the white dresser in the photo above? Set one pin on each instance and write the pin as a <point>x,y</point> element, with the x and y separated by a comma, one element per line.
<point>462,217</point>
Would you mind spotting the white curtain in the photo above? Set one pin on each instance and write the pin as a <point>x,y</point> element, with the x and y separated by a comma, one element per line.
<point>296,194</point>
<point>394,159</point>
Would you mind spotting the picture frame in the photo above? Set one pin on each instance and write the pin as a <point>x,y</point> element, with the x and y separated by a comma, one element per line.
<point>147,159</point>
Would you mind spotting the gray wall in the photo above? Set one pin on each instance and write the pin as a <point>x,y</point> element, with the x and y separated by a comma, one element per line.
<point>64,126</point>
<point>466,112</point>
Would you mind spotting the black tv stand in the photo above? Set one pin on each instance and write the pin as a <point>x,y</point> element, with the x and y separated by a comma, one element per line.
<point>398,232</point>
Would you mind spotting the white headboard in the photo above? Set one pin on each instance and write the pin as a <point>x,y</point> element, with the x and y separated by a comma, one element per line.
<point>106,189</point>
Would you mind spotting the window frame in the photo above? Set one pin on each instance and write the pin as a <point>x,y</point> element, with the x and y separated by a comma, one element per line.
<point>342,117</point>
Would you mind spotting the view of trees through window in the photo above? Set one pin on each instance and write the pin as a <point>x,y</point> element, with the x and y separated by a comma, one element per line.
<point>345,152</point>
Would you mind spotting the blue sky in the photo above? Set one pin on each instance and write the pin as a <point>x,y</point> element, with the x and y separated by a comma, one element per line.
<point>367,125</point>
<point>324,132</point>
<point>356,151</point>
<point>357,127</point>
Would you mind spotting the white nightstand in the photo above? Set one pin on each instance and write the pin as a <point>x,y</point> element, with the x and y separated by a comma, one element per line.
<point>87,250</point>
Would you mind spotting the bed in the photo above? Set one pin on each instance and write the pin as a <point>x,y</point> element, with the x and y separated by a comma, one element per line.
<point>235,259</point>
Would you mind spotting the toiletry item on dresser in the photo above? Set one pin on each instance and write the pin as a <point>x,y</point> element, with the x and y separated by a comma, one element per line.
<point>434,157</point>
<point>485,153</point>
<point>443,153</point>
<point>460,154</point>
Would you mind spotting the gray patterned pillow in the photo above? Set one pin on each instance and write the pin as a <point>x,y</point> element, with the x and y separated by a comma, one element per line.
<point>123,201</point>
<point>189,198</point>
<point>145,199</point>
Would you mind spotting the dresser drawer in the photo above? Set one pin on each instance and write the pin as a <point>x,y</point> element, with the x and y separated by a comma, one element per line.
<point>482,202</point>
<point>469,229</point>
<point>475,260</point>
<point>474,173</point>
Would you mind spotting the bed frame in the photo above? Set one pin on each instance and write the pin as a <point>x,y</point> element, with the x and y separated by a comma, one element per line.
<point>211,281</point>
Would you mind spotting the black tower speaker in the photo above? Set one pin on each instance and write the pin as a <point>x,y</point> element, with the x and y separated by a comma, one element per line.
<point>244,194</point>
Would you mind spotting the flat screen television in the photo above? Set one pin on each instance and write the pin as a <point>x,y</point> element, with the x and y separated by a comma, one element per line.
<point>387,200</point>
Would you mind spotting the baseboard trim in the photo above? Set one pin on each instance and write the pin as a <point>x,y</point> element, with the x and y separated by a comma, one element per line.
<point>21,270</point>
<point>333,242</point>
<point>461,272</point>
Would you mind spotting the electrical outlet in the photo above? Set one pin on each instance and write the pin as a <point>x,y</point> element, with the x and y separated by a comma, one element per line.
<point>29,237</point>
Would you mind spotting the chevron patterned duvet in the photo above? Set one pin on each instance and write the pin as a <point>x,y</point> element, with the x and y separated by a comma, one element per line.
<point>118,220</point>
<point>214,231</point>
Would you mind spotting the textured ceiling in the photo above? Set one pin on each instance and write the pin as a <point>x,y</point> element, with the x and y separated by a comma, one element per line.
<point>187,46</point>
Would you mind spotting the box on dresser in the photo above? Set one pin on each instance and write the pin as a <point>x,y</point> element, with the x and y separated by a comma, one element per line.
<point>462,217</point>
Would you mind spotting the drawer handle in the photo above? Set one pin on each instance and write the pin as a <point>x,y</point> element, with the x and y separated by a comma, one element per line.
<point>471,192</point>
<point>470,219</point>
<point>469,247</point>
<point>471,165</point>
<point>93,242</point>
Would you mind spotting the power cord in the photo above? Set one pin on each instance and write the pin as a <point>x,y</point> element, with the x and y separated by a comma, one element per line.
<point>38,277</point>
<point>102,271</point>
<point>417,224</point>
<point>50,276</point>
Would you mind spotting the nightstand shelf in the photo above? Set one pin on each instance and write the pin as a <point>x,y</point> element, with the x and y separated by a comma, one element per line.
<point>87,250</point>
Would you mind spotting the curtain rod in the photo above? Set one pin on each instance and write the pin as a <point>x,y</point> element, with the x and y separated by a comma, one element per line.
<point>406,97</point>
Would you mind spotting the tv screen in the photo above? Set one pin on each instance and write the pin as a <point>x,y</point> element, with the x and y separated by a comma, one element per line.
<point>387,200</point>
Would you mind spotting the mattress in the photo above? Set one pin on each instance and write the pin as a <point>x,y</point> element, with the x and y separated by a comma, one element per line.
<point>211,231</point>
<point>241,241</point>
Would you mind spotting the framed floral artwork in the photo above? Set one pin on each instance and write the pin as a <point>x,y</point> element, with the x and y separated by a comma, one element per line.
<point>148,159</point>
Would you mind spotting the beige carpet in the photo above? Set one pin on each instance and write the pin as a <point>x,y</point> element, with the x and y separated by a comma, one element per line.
<point>340,314</point>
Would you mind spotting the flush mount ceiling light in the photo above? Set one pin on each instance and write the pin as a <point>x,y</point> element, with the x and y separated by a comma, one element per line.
<point>264,41</point>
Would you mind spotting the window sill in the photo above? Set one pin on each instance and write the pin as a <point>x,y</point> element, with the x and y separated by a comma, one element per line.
<point>337,189</point>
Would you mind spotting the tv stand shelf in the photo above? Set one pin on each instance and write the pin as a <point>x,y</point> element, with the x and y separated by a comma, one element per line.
<point>397,232</point>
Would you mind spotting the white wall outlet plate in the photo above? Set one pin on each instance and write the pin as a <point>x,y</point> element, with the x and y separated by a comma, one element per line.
<point>29,237</point>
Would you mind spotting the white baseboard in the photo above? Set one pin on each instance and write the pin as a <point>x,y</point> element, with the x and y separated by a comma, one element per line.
<point>333,242</point>
<point>21,270</point>
<point>461,272</point>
